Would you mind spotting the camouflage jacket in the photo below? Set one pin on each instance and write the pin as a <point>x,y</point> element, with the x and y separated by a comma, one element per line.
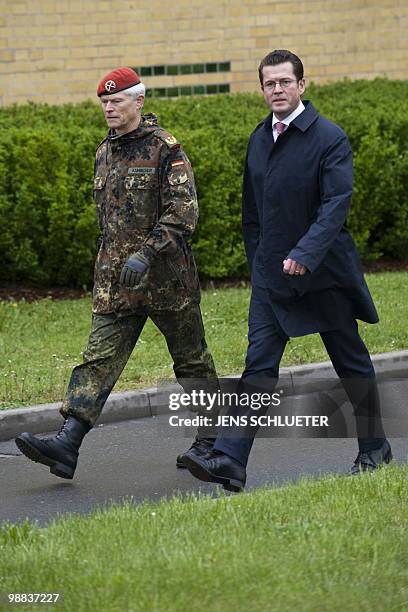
<point>145,195</point>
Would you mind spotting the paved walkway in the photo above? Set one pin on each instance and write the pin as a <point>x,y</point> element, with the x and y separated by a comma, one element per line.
<point>137,459</point>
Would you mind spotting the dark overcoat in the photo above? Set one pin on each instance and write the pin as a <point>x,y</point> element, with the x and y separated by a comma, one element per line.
<point>296,195</point>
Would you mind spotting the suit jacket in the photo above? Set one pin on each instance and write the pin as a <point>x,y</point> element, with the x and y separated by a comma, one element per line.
<point>296,195</point>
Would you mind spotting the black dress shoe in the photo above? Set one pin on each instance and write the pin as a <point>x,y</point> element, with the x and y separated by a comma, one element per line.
<point>217,467</point>
<point>372,460</point>
<point>60,452</point>
<point>198,448</point>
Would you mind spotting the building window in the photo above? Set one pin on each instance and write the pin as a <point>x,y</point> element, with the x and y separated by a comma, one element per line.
<point>186,90</point>
<point>175,69</point>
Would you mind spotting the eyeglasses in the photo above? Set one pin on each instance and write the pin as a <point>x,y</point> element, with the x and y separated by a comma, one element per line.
<point>283,83</point>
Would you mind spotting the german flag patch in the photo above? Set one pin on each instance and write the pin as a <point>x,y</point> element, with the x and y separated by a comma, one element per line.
<point>177,162</point>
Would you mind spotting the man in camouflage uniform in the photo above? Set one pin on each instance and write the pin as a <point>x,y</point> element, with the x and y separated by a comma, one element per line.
<point>147,210</point>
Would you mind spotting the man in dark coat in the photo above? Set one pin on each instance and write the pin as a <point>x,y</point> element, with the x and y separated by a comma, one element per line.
<point>305,271</point>
<point>147,210</point>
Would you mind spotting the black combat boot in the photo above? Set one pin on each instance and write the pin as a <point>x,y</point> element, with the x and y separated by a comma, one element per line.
<point>60,452</point>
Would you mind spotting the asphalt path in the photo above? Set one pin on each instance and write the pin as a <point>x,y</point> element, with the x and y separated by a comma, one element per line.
<point>136,459</point>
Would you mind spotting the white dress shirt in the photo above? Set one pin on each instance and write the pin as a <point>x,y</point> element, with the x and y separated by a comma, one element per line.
<point>287,120</point>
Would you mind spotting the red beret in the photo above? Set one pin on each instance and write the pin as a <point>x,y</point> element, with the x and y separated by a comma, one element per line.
<point>117,80</point>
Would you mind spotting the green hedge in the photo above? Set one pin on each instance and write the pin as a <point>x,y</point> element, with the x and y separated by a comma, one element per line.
<point>47,220</point>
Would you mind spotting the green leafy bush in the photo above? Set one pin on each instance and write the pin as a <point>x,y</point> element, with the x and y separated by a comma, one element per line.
<point>47,219</point>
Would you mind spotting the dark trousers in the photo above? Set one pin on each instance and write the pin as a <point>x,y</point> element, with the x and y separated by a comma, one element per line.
<point>266,344</point>
<point>111,342</point>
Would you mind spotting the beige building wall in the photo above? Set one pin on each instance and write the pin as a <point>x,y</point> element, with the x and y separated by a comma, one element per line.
<point>56,51</point>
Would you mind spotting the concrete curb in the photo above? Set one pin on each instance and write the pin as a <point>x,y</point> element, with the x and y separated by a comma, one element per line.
<point>297,380</point>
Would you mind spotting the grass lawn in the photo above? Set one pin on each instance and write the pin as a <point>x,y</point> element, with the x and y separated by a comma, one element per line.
<point>42,341</point>
<point>338,544</point>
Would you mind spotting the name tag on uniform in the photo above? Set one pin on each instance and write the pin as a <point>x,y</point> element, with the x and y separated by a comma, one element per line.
<point>140,170</point>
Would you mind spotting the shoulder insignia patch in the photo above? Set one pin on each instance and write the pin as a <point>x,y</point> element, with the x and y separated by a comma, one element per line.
<point>167,138</point>
<point>170,140</point>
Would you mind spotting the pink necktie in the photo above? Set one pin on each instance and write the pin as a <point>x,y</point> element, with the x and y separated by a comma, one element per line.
<point>280,127</point>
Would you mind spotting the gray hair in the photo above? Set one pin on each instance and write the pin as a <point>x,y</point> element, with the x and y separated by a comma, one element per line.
<point>135,91</point>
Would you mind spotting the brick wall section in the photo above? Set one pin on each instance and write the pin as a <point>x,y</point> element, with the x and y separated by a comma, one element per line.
<point>57,50</point>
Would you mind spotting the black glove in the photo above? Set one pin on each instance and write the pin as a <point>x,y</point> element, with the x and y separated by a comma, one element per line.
<point>136,267</point>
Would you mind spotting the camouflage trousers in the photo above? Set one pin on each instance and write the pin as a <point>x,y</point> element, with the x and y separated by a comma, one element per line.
<point>111,342</point>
